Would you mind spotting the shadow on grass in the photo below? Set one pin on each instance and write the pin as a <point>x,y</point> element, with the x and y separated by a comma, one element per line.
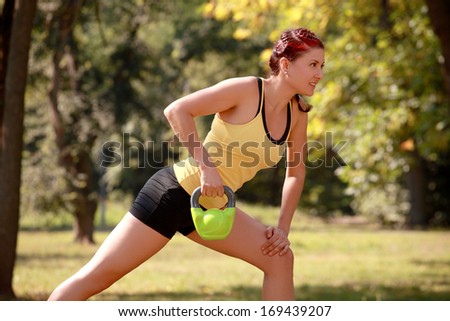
<point>353,292</point>
<point>433,264</point>
<point>24,258</point>
<point>358,292</point>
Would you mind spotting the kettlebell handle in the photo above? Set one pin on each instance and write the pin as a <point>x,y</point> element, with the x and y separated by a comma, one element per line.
<point>228,192</point>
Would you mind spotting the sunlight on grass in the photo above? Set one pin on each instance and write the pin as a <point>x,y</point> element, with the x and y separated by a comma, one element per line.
<point>333,262</point>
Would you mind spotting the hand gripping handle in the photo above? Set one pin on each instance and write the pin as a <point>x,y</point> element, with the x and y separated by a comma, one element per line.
<point>228,192</point>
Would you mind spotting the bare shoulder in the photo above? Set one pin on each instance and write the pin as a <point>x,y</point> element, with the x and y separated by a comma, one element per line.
<point>237,84</point>
<point>238,91</point>
<point>231,90</point>
<point>225,95</point>
<point>244,91</point>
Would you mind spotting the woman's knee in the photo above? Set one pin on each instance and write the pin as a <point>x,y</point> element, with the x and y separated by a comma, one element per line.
<point>288,259</point>
<point>278,263</point>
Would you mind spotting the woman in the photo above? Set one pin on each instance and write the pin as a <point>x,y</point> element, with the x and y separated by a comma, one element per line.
<point>256,121</point>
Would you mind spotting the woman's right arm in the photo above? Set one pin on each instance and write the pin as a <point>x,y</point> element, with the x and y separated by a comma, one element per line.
<point>181,113</point>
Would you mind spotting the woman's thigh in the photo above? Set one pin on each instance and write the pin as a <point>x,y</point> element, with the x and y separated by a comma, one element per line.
<point>126,247</point>
<point>245,242</point>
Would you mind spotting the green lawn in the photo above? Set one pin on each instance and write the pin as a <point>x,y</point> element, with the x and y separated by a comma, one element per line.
<point>333,262</point>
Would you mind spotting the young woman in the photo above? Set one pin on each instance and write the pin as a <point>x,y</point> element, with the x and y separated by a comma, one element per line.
<point>256,121</point>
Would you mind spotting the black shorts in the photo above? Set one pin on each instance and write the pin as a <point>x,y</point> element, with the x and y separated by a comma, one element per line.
<point>164,205</point>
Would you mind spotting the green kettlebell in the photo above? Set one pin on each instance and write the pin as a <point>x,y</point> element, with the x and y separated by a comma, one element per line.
<point>213,224</point>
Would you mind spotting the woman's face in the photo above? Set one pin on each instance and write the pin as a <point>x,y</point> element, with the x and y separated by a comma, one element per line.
<point>306,71</point>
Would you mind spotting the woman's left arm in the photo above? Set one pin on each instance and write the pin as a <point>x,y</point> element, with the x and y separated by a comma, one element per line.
<point>277,237</point>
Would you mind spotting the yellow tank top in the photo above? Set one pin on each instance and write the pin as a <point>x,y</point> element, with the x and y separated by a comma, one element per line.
<point>238,151</point>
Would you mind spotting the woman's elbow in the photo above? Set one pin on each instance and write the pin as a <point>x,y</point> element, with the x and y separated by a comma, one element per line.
<point>177,110</point>
<point>170,111</point>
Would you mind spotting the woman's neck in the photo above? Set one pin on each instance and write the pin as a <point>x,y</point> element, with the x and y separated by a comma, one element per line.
<point>277,95</point>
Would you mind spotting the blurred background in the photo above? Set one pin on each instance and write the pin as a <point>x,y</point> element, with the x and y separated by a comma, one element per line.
<point>101,72</point>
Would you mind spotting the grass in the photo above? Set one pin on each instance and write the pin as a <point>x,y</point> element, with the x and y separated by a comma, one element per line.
<point>333,262</point>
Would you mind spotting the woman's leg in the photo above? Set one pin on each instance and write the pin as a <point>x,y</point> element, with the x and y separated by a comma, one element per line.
<point>129,244</point>
<point>244,242</point>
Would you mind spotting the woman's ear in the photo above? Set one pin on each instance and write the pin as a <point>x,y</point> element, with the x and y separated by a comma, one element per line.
<point>284,63</point>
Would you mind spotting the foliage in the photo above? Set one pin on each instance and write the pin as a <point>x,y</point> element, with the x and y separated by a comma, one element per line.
<point>383,92</point>
<point>39,153</point>
<point>382,98</point>
<point>133,58</point>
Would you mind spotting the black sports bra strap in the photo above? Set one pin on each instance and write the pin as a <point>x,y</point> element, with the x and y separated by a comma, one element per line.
<point>283,138</point>
<point>260,84</point>
<point>261,108</point>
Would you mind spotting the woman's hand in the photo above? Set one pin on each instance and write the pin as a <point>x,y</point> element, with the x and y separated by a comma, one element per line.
<point>211,182</point>
<point>277,242</point>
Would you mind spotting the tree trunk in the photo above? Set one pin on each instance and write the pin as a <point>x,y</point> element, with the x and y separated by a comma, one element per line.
<point>416,183</point>
<point>75,160</point>
<point>11,142</point>
<point>5,36</point>
<point>439,12</point>
<point>86,200</point>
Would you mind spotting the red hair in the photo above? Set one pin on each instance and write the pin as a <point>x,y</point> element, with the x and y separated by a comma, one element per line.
<point>292,44</point>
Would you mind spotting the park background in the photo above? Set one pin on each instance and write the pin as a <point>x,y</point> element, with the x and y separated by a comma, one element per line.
<point>79,78</point>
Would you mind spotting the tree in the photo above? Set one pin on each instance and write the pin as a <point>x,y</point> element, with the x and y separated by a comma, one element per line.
<point>76,159</point>
<point>439,12</point>
<point>383,93</point>
<point>119,65</point>
<point>17,20</point>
